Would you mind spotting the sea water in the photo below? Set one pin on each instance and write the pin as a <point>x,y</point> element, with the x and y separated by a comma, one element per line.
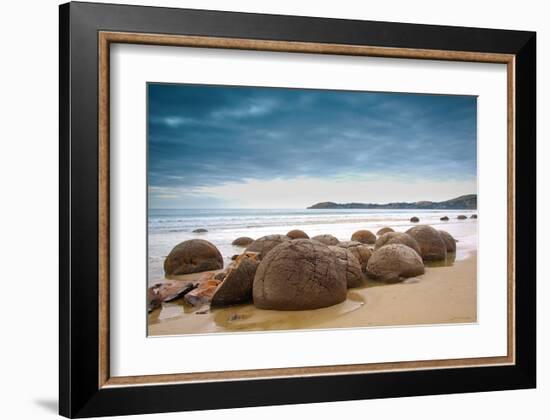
<point>169,227</point>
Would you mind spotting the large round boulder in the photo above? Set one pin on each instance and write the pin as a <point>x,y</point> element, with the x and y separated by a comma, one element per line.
<point>297,234</point>
<point>473,216</point>
<point>364,236</point>
<point>350,265</point>
<point>242,241</point>
<point>266,243</point>
<point>414,219</point>
<point>432,246</point>
<point>297,275</point>
<point>360,251</point>
<point>384,230</point>
<point>394,262</point>
<point>193,256</point>
<point>397,238</point>
<point>450,242</point>
<point>326,239</point>
<point>444,218</point>
<point>237,284</point>
<point>461,217</point>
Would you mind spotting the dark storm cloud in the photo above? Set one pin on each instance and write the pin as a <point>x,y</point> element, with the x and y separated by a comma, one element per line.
<point>207,135</point>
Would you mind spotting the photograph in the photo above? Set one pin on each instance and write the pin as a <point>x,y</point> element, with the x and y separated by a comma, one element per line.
<point>272,208</point>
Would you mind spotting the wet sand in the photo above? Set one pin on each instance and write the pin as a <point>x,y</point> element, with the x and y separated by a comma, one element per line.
<point>444,294</point>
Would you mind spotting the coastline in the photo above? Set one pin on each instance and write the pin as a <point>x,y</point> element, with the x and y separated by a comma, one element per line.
<point>444,294</point>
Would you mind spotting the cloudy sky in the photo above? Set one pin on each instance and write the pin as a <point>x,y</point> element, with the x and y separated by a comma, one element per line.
<point>249,147</point>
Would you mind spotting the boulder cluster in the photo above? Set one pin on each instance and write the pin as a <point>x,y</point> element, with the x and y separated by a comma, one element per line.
<point>296,272</point>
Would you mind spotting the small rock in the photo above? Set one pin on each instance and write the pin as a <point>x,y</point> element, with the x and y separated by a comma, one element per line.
<point>200,230</point>
<point>473,216</point>
<point>203,293</point>
<point>444,219</point>
<point>461,217</point>
<point>414,219</point>
<point>220,276</point>
<point>167,291</point>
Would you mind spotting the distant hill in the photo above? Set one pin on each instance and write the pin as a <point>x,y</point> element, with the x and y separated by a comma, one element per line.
<point>464,202</point>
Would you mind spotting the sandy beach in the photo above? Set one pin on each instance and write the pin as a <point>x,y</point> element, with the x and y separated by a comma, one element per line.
<point>446,293</point>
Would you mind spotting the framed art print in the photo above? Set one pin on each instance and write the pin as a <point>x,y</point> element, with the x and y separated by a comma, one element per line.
<point>285,209</point>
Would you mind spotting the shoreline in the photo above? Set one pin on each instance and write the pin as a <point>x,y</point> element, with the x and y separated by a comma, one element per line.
<point>443,295</point>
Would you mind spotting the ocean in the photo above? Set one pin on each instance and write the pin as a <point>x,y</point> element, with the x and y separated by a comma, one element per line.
<point>169,227</point>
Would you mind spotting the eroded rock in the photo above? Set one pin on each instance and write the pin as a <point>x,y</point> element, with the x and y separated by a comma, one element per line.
<point>193,256</point>
<point>297,275</point>
<point>394,262</point>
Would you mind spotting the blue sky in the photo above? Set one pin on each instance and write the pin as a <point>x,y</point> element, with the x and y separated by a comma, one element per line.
<point>250,147</point>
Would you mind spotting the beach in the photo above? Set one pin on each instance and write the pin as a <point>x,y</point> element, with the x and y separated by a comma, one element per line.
<point>445,293</point>
<point>442,295</point>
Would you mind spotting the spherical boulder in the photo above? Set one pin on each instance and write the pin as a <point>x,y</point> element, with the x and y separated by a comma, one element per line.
<point>360,251</point>
<point>397,238</point>
<point>237,284</point>
<point>242,241</point>
<point>266,243</point>
<point>473,216</point>
<point>297,275</point>
<point>394,262</point>
<point>414,219</point>
<point>326,239</point>
<point>461,217</point>
<point>350,265</point>
<point>444,218</point>
<point>200,230</point>
<point>432,246</point>
<point>450,242</point>
<point>364,236</point>
<point>193,256</point>
<point>297,234</point>
<point>384,230</point>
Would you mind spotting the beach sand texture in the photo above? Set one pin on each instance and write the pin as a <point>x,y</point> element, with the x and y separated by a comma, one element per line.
<point>444,294</point>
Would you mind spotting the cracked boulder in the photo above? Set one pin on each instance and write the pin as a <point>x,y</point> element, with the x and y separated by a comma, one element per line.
<point>350,265</point>
<point>298,275</point>
<point>236,287</point>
